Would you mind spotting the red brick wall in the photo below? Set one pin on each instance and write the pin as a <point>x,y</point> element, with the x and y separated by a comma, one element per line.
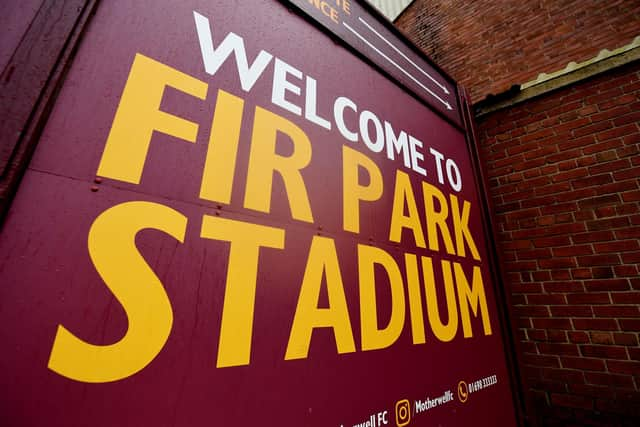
<point>490,45</point>
<point>564,173</point>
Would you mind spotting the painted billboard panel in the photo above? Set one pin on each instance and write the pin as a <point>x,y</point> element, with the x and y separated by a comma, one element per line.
<point>232,219</point>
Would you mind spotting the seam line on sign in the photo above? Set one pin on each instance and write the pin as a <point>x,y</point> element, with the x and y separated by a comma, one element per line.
<point>397,66</point>
<point>444,88</point>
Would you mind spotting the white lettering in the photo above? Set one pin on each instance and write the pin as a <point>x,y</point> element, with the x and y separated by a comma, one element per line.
<point>281,85</point>
<point>416,155</point>
<point>338,114</point>
<point>439,157</point>
<point>368,117</point>
<point>396,144</point>
<point>214,58</point>
<point>310,109</point>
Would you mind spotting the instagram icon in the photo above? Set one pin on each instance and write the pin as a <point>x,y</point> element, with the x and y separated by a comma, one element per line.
<point>403,412</point>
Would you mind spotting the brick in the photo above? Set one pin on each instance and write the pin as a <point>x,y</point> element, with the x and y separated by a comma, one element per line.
<point>627,118</point>
<point>618,187</point>
<point>573,250</point>
<point>548,299</point>
<point>609,199</point>
<point>528,347</point>
<point>631,196</point>
<point>560,274</point>
<point>578,337</point>
<point>603,146</point>
<point>623,173</point>
<point>573,124</point>
<point>570,175</point>
<point>630,257</point>
<point>607,285</point>
<point>610,167</point>
<point>631,325</point>
<point>626,209</point>
<point>607,224</point>
<point>559,188</point>
<point>572,310</point>
<point>537,334</point>
<point>548,385</point>
<point>601,338</point>
<point>616,311</point>
<point>558,208</point>
<point>628,412</point>
<point>554,263</point>
<point>624,367</point>
<point>583,215</point>
<point>617,246</point>
<point>591,181</point>
<point>523,322</point>
<point>527,288</point>
<point>617,132</point>
<point>589,298</point>
<point>602,272</point>
<point>534,253</point>
<point>558,349</point>
<point>553,323</point>
<point>608,379</point>
<point>603,351</point>
<point>605,115</point>
<point>591,129</point>
<point>562,286</point>
<point>539,360</point>
<point>605,211</point>
<point>546,242</point>
<point>571,401</point>
<point>627,233</point>
<point>626,271</point>
<point>605,156</point>
<point>599,236</point>
<point>588,390</point>
<point>583,363</point>
<point>625,339</point>
<point>564,375</point>
<point>541,276</point>
<point>600,259</point>
<point>595,324</point>
<point>557,336</point>
<point>581,273</point>
<point>626,297</point>
<point>531,311</point>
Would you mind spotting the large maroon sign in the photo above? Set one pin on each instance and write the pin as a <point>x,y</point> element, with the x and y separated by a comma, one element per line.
<point>233,218</point>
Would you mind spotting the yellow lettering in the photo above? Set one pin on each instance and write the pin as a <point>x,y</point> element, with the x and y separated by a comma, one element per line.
<point>246,239</point>
<point>415,299</point>
<point>471,297</point>
<point>322,261</point>
<point>352,191</point>
<point>444,333</point>
<point>139,114</point>
<point>125,272</point>
<point>403,193</point>
<point>220,165</point>
<point>436,219</point>
<point>264,161</point>
<point>372,337</point>
<point>345,5</point>
<point>461,227</point>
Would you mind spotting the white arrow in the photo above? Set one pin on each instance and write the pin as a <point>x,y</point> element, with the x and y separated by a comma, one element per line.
<point>445,103</point>
<point>443,87</point>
